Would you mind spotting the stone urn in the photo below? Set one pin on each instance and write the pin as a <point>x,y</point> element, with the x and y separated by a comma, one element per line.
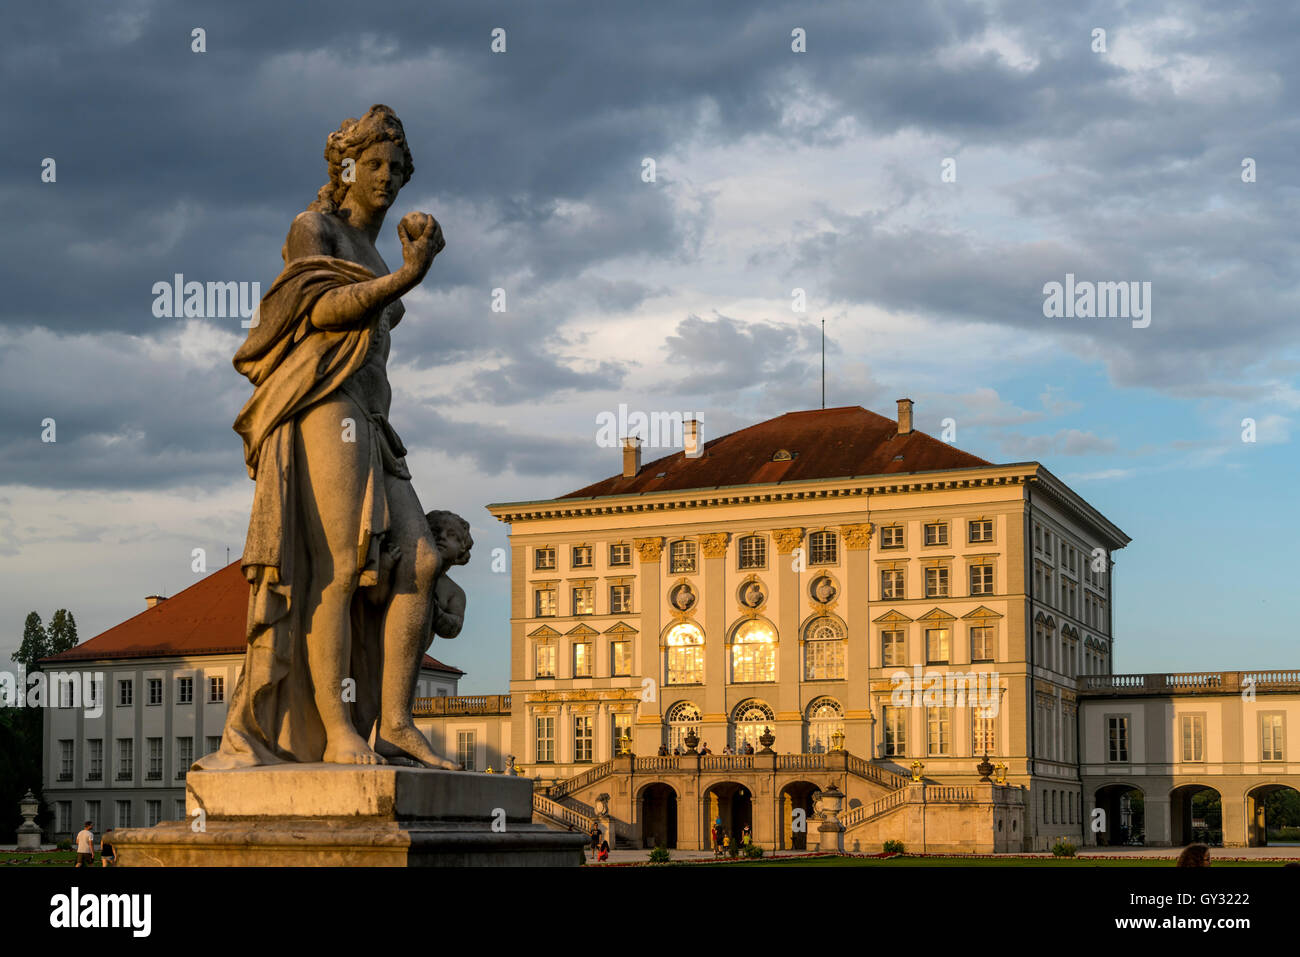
<point>767,739</point>
<point>692,741</point>
<point>830,833</point>
<point>29,832</point>
<point>984,769</point>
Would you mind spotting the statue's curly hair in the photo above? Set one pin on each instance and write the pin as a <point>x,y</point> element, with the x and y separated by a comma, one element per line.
<point>350,140</point>
<point>441,518</point>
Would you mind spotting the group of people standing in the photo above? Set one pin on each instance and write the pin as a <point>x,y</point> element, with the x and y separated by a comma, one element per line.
<point>86,848</point>
<point>721,839</point>
<point>745,748</point>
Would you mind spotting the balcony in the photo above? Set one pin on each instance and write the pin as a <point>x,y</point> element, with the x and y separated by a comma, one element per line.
<point>95,776</point>
<point>1189,683</point>
<point>65,775</point>
<point>124,776</point>
<point>153,776</point>
<point>180,775</point>
<point>462,704</point>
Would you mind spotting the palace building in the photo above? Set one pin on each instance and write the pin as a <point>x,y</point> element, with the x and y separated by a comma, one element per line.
<point>828,627</point>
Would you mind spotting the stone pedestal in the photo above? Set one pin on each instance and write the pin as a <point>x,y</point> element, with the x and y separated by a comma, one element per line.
<point>332,815</point>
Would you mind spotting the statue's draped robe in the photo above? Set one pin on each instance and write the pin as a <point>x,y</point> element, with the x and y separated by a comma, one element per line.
<point>292,364</point>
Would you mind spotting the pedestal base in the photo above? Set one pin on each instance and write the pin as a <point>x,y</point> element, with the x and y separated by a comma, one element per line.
<point>329,815</point>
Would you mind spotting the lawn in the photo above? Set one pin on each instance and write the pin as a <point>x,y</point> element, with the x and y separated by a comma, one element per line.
<point>39,859</point>
<point>907,861</point>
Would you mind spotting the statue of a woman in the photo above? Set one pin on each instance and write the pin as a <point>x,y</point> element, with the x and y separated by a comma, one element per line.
<point>333,509</point>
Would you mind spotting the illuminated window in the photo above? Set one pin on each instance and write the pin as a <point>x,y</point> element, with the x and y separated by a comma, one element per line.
<point>544,602</point>
<point>937,646</point>
<point>823,650</point>
<point>980,530</point>
<point>681,557</point>
<point>891,584</point>
<point>753,652</point>
<point>685,646</point>
<point>582,659</point>
<point>895,724</point>
<point>620,554</point>
<point>753,552</point>
<point>891,536</point>
<point>892,648</point>
<point>545,660</point>
<point>823,548</point>
<point>825,720</point>
<point>936,582</point>
<point>681,718</point>
<point>938,730</point>
<point>544,559</point>
<point>936,533</point>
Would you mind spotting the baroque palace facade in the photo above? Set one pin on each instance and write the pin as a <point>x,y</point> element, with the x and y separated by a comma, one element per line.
<point>762,597</point>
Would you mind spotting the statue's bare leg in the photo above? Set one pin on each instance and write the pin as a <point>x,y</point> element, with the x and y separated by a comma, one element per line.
<point>406,627</point>
<point>334,461</point>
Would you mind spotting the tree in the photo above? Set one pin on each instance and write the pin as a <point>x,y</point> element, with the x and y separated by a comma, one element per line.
<point>62,632</point>
<point>36,643</point>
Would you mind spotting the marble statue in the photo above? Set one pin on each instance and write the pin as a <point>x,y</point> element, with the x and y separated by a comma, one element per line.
<point>346,569</point>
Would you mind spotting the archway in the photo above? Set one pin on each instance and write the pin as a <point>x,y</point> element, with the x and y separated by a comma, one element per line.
<point>797,796</point>
<point>1196,815</point>
<point>658,816</point>
<point>1272,815</point>
<point>1125,815</point>
<point>732,805</point>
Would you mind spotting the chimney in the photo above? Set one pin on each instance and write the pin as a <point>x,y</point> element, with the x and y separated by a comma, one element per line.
<point>151,600</point>
<point>631,456</point>
<point>904,416</point>
<point>691,442</point>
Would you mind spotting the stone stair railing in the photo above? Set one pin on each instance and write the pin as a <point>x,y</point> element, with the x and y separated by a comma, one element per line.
<point>568,785</point>
<point>930,794</point>
<point>583,819</point>
<point>885,777</point>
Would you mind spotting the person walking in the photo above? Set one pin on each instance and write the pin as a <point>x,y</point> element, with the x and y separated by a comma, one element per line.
<point>107,854</point>
<point>85,846</point>
<point>595,839</point>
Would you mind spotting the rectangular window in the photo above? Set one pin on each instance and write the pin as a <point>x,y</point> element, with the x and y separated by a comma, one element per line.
<point>1193,737</point>
<point>582,738</point>
<point>125,692</point>
<point>545,661</point>
<point>753,552</point>
<point>216,689</point>
<point>63,817</point>
<point>620,653</point>
<point>824,660</point>
<point>620,599</point>
<point>582,659</point>
<point>67,690</point>
<point>95,759</point>
<point>582,556</point>
<point>937,645</point>
<point>823,548</point>
<point>938,730</point>
<point>984,734</point>
<point>1117,739</point>
<point>65,759</point>
<point>544,559</point>
<point>178,809</point>
<point>213,743</point>
<point>466,749</point>
<point>936,582</point>
<point>154,688</point>
<point>92,815</point>
<point>891,584</point>
<point>125,759</point>
<point>891,536</point>
<point>981,579</point>
<point>544,602</point>
<point>184,690</point>
<point>936,533</point>
<point>184,756</point>
<point>545,747</point>
<point>892,648</point>
<point>584,601</point>
<point>621,733</point>
<point>155,772</point>
<point>1271,745</point>
<point>681,558</point>
<point>154,811</point>
<point>123,813</point>
<point>980,530</point>
<point>620,554</point>
<point>981,643</point>
<point>895,722</point>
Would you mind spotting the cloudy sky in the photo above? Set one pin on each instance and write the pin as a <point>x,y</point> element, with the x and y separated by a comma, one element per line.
<point>775,170</point>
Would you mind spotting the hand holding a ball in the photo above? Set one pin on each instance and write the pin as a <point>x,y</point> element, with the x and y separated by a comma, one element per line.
<point>421,238</point>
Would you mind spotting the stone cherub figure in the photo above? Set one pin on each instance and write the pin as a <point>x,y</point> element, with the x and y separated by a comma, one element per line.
<point>404,650</point>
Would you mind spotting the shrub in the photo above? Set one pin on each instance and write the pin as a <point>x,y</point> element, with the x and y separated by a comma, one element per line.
<point>753,850</point>
<point>64,845</point>
<point>1063,848</point>
<point>660,855</point>
<point>895,847</point>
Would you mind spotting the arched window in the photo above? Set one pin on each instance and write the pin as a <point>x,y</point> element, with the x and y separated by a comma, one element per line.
<point>681,718</point>
<point>685,646</point>
<point>747,724</point>
<point>823,650</point>
<point>825,719</point>
<point>753,652</point>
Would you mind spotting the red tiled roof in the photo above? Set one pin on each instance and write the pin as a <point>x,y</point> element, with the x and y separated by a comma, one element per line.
<point>207,618</point>
<point>823,443</point>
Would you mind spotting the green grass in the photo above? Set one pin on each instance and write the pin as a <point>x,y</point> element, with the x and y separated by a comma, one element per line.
<point>39,859</point>
<point>989,862</point>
